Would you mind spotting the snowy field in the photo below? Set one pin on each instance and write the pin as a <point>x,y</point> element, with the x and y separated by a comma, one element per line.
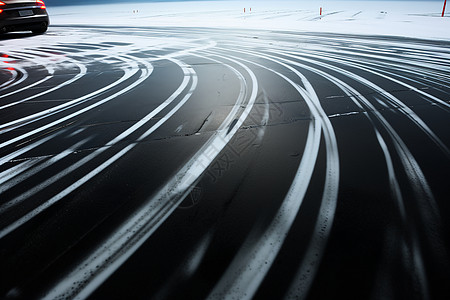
<point>420,19</point>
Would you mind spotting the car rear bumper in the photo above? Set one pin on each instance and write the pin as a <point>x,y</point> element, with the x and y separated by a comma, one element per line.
<point>24,23</point>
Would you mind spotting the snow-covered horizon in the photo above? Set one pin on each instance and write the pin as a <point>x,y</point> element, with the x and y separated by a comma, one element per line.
<point>420,19</point>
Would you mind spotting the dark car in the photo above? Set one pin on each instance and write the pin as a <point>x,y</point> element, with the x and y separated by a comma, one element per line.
<point>23,15</point>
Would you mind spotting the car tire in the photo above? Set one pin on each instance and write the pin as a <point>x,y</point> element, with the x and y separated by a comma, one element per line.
<point>42,29</point>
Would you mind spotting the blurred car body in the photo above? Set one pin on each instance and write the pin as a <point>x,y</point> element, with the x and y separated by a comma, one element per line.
<point>23,15</point>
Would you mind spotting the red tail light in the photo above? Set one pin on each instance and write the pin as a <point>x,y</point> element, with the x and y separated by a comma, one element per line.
<point>41,4</point>
<point>1,4</point>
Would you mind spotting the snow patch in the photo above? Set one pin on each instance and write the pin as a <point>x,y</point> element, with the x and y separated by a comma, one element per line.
<point>420,19</point>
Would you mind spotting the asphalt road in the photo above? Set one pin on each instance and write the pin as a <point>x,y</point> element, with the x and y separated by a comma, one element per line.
<point>188,163</point>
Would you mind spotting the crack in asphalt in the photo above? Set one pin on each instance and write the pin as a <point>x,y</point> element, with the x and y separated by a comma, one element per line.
<point>197,131</point>
<point>378,93</point>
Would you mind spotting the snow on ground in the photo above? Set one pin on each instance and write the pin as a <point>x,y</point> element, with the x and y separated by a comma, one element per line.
<point>420,19</point>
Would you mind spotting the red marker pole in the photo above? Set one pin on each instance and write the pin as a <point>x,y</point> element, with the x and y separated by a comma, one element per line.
<point>244,10</point>
<point>321,9</point>
<point>443,10</point>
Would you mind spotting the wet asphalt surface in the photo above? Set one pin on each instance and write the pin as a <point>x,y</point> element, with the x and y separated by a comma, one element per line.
<point>150,163</point>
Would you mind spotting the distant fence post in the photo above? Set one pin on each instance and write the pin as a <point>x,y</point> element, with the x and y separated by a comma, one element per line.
<point>443,9</point>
